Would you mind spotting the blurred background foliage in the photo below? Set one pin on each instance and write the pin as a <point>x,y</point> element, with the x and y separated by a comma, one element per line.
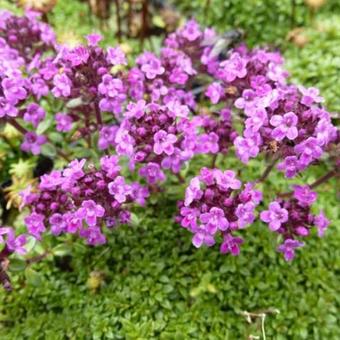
<point>150,282</point>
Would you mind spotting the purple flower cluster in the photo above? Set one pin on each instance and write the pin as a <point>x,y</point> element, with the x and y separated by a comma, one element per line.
<point>215,206</point>
<point>24,42</point>
<point>158,136</point>
<point>26,35</point>
<point>293,219</point>
<point>82,201</point>
<point>11,242</point>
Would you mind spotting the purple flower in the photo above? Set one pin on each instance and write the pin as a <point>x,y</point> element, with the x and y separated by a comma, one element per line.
<point>245,214</point>
<point>191,31</point>
<point>13,89</point>
<point>74,171</point>
<point>14,244</point>
<point>256,120</point>
<point>32,143</point>
<point>310,96</point>
<point>64,122</point>
<point>304,195</point>
<point>58,224</point>
<point>164,142</point>
<point>190,216</point>
<point>51,181</point>
<point>110,164</point>
<point>7,109</point>
<point>231,245</point>
<point>234,67</point>
<point>290,165</point>
<point>227,180</point>
<point>193,191</point>
<point>90,211</point>
<point>201,238</point>
<point>214,92</point>
<point>78,56</point>
<point>119,189</point>
<point>34,114</point>
<point>308,150</point>
<point>136,110</point>
<point>285,126</point>
<point>246,148</point>
<point>275,216</point>
<point>111,87</point>
<point>288,248</point>
<point>116,56</point>
<point>107,136</point>
<point>214,220</point>
<point>39,87</point>
<point>62,85</point>
<point>321,223</point>
<point>35,224</point>
<point>150,65</point>
<point>93,39</point>
<point>152,172</point>
<point>93,236</point>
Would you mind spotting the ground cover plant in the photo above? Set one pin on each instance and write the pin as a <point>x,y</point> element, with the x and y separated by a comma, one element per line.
<point>129,137</point>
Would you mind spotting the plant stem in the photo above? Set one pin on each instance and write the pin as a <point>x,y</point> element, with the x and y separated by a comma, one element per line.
<point>330,174</point>
<point>268,169</point>
<point>118,21</point>
<point>180,178</point>
<point>98,116</point>
<point>22,130</point>
<point>213,160</point>
<point>15,124</point>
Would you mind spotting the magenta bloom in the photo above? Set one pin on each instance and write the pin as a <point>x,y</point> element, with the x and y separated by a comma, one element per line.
<point>245,214</point>
<point>246,148</point>
<point>203,238</point>
<point>35,224</point>
<point>164,142</point>
<point>51,181</point>
<point>214,220</point>
<point>62,85</point>
<point>116,56</point>
<point>90,211</point>
<point>231,245</point>
<point>64,122</point>
<point>152,172</point>
<point>34,114</point>
<point>150,65</point>
<point>310,96</point>
<point>288,248</point>
<point>322,223</point>
<point>214,92</point>
<point>227,180</point>
<point>275,216</point>
<point>14,244</point>
<point>304,195</point>
<point>285,126</point>
<point>191,31</point>
<point>119,189</point>
<point>13,89</point>
<point>93,39</point>
<point>193,191</point>
<point>33,142</point>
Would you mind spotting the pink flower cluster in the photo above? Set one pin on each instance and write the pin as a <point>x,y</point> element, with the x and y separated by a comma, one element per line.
<point>82,201</point>
<point>216,207</point>
<point>293,219</point>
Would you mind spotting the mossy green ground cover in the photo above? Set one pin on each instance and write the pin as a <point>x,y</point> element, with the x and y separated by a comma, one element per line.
<point>153,284</point>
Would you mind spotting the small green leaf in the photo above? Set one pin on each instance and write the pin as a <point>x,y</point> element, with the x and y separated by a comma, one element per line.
<point>17,265</point>
<point>61,250</point>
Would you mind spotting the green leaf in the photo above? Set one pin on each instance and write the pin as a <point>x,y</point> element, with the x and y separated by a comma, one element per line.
<point>17,265</point>
<point>61,250</point>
